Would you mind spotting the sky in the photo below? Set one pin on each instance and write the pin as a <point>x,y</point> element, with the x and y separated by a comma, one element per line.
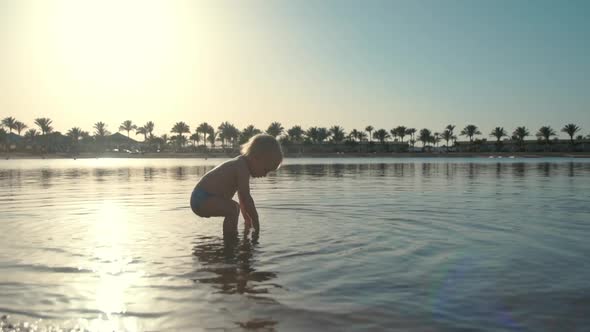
<point>417,63</point>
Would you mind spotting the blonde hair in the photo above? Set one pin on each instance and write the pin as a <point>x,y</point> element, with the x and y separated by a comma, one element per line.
<point>262,144</point>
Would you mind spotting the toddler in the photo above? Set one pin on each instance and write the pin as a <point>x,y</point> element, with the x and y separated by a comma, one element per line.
<point>212,196</point>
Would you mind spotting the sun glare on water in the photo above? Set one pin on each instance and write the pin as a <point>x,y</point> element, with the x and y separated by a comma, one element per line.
<point>113,257</point>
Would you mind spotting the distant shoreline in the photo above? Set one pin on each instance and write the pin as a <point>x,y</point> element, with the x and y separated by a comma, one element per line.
<point>175,155</point>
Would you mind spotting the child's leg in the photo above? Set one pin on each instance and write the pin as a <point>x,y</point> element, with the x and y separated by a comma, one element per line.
<point>216,206</point>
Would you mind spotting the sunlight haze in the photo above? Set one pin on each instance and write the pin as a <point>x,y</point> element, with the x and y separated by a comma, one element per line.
<point>309,63</point>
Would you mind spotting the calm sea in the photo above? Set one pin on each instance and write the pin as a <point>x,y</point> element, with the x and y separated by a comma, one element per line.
<point>346,245</point>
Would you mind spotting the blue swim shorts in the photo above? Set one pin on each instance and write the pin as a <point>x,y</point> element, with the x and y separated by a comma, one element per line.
<point>198,197</point>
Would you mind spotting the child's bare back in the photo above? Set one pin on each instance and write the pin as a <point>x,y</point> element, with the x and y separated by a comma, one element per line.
<point>223,179</point>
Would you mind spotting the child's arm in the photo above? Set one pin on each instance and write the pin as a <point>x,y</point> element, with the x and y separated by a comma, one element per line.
<point>246,201</point>
<point>247,219</point>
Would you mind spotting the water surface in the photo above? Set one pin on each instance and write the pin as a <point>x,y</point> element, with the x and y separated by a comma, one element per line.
<point>346,244</point>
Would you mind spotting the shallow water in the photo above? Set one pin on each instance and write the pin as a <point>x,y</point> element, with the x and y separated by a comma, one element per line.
<point>346,244</point>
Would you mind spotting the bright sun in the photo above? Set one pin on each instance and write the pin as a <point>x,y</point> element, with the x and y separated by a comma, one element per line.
<point>121,43</point>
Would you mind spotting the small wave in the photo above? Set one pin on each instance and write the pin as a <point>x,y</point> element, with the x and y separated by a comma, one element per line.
<point>29,314</point>
<point>45,268</point>
<point>59,250</point>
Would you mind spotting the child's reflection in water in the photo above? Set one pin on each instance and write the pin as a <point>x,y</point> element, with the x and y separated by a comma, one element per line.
<point>231,259</point>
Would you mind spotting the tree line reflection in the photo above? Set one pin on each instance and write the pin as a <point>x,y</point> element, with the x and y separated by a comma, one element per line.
<point>470,170</point>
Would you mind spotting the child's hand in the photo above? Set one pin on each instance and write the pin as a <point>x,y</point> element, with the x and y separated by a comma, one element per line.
<point>249,220</point>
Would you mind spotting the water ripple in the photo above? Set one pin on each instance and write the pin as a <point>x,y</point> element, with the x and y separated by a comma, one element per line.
<point>346,244</point>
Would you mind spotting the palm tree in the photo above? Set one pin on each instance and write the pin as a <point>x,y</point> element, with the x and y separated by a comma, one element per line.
<point>203,128</point>
<point>295,134</point>
<point>411,132</point>
<point>248,133</point>
<point>571,129</point>
<point>519,135</point>
<point>353,135</point>
<point>401,132</point>
<point>180,140</point>
<point>19,126</point>
<point>149,128</point>
<point>393,133</point>
<point>211,136</point>
<point>358,135</point>
<point>275,129</point>
<point>142,131</point>
<point>498,133</point>
<point>85,136</point>
<point>100,132</point>
<point>180,128</point>
<point>75,133</point>
<point>447,135</point>
<point>470,131</point>
<point>337,134</point>
<point>31,133</point>
<point>312,134</point>
<point>381,135</point>
<point>435,139</point>
<point>195,138</point>
<point>424,137</point>
<point>127,126</point>
<point>370,130</point>
<point>45,125</point>
<point>161,142</point>
<point>322,134</point>
<point>362,136</point>
<point>10,123</point>
<point>222,130</point>
<point>100,129</point>
<point>233,134</point>
<point>226,131</point>
<point>545,132</point>
<point>451,129</point>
